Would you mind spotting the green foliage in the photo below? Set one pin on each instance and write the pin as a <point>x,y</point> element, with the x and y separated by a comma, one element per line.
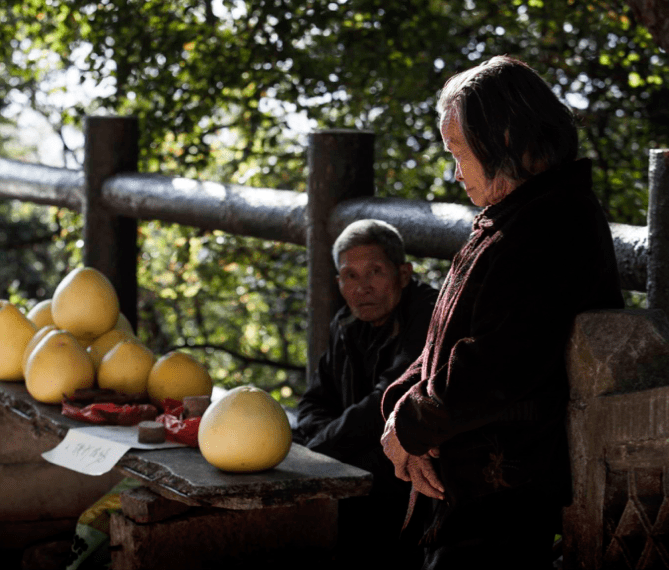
<point>38,245</point>
<point>217,86</point>
<point>240,301</point>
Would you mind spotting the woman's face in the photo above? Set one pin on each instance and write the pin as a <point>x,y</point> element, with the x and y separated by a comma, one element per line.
<point>468,170</point>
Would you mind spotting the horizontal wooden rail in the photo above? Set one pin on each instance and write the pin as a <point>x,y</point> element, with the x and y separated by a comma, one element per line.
<point>430,229</point>
<point>258,212</point>
<point>47,185</point>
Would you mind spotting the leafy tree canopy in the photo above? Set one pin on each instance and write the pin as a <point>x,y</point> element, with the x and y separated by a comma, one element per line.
<point>218,86</point>
<point>217,83</point>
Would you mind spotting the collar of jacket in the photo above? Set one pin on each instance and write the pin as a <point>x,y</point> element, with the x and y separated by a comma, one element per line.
<point>574,176</point>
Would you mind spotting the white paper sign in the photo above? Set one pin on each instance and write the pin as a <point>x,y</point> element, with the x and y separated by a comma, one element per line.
<point>86,453</point>
<point>94,450</point>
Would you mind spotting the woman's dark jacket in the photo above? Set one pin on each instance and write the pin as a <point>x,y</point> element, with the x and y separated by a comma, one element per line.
<point>490,387</point>
<point>340,413</point>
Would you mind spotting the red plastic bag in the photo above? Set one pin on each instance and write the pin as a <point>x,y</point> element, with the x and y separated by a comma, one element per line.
<point>177,428</point>
<point>110,414</point>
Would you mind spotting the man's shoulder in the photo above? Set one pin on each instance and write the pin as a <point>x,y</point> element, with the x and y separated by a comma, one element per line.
<point>418,301</point>
<point>343,316</point>
<point>419,293</point>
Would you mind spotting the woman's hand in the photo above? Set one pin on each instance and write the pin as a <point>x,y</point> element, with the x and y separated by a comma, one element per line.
<point>417,469</point>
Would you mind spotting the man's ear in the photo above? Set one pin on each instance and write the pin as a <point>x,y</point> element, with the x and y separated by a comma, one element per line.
<point>405,270</point>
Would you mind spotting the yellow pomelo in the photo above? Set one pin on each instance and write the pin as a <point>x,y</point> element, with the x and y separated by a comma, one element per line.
<point>39,335</point>
<point>85,304</point>
<point>177,375</point>
<point>85,341</point>
<point>246,430</point>
<point>16,330</point>
<point>125,368</point>
<point>40,314</point>
<point>58,366</point>
<point>123,324</point>
<point>104,343</point>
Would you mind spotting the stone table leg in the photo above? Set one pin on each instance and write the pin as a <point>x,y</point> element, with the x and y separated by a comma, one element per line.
<point>154,532</point>
<point>39,500</point>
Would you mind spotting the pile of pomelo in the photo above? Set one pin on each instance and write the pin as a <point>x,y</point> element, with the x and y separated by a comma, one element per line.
<point>79,339</point>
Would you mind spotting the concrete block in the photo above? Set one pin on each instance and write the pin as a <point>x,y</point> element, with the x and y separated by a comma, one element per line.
<point>212,536</point>
<point>617,351</point>
<point>618,426</point>
<point>636,416</point>
<point>22,441</point>
<point>42,491</point>
<point>17,535</point>
<point>142,505</point>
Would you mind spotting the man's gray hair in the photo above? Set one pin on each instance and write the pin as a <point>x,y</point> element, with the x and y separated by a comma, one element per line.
<point>370,232</point>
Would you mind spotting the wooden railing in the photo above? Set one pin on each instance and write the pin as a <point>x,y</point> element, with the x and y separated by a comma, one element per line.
<point>112,196</point>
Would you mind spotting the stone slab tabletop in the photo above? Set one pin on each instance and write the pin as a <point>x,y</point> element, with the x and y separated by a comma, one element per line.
<point>182,474</point>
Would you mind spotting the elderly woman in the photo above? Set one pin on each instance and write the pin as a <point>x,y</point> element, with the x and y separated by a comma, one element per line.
<point>477,421</point>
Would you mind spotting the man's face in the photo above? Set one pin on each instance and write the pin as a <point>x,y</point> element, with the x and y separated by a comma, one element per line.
<point>370,283</point>
<point>468,169</point>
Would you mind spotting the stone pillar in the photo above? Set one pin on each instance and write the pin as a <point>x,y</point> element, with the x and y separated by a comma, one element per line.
<point>618,427</point>
<point>341,166</point>
<point>110,241</point>
<point>658,230</point>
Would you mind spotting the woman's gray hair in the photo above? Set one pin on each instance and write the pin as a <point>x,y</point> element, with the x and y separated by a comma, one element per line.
<point>510,118</point>
<point>370,232</point>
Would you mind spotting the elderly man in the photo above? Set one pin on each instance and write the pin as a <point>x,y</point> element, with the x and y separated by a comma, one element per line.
<point>373,339</point>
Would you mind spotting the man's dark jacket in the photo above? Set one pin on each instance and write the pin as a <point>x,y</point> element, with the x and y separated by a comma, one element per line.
<point>340,413</point>
<point>490,388</point>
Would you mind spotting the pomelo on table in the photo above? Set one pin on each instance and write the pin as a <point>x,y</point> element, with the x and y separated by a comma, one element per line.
<point>245,431</point>
<point>39,335</point>
<point>85,303</point>
<point>58,366</point>
<point>177,375</point>
<point>16,330</point>
<point>105,342</point>
<point>123,324</point>
<point>84,341</point>
<point>40,314</point>
<point>125,368</point>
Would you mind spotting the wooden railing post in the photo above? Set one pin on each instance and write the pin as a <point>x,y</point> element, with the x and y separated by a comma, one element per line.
<point>110,241</point>
<point>341,166</point>
<point>657,286</point>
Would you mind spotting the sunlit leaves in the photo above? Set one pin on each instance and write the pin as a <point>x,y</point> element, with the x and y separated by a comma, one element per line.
<point>38,245</point>
<point>239,301</point>
<point>217,84</point>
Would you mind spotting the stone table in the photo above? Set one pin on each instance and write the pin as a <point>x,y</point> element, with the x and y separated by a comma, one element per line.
<point>186,512</point>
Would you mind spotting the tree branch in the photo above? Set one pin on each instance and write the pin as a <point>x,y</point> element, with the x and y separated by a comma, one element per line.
<point>244,358</point>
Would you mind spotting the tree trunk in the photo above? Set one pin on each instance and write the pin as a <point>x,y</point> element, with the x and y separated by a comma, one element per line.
<point>654,15</point>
